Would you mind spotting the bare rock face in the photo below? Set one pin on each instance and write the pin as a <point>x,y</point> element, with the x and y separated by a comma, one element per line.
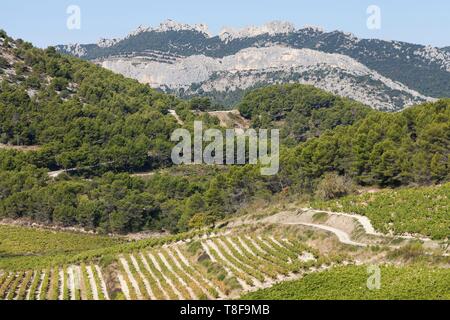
<point>336,73</point>
<point>188,60</point>
<point>271,28</point>
<point>435,55</point>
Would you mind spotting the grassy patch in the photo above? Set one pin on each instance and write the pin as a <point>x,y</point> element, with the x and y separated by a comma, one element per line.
<point>350,283</point>
<point>422,210</point>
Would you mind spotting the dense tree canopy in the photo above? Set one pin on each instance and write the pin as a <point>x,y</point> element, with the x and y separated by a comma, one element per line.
<point>82,116</point>
<point>300,111</point>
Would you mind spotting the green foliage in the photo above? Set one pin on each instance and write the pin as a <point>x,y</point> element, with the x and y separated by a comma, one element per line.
<point>421,210</point>
<point>408,283</point>
<point>3,63</point>
<point>28,241</point>
<point>83,115</point>
<point>20,247</point>
<point>300,111</point>
<point>104,126</point>
<point>23,248</point>
<point>334,186</point>
<point>44,285</point>
<point>382,149</point>
<point>200,104</point>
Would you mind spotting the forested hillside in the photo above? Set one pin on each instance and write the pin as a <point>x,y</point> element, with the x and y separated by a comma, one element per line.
<point>78,115</point>
<point>381,149</point>
<point>299,111</point>
<point>422,68</point>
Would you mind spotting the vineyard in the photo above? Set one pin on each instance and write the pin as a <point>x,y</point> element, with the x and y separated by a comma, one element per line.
<point>28,248</point>
<point>297,254</point>
<point>213,267</point>
<point>84,282</point>
<point>397,283</point>
<point>422,210</point>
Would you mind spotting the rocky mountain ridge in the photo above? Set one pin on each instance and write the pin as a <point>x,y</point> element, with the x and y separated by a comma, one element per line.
<point>418,71</point>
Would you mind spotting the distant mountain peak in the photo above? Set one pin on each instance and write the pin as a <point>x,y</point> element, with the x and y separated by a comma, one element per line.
<point>142,28</point>
<point>171,25</point>
<point>106,43</point>
<point>271,28</point>
<point>165,26</point>
<point>423,69</point>
<point>314,28</point>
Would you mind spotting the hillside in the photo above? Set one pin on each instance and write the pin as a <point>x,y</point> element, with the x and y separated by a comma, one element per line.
<point>79,114</point>
<point>102,127</point>
<point>413,283</point>
<point>381,149</point>
<point>413,210</point>
<point>212,232</point>
<point>301,112</point>
<point>256,67</point>
<point>398,73</point>
<point>279,256</point>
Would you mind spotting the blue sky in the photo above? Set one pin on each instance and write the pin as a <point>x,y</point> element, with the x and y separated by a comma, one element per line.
<point>43,22</point>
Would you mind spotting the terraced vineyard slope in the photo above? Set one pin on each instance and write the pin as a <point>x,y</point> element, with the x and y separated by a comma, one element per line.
<point>214,267</point>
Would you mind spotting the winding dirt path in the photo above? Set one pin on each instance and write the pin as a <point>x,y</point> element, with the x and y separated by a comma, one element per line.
<point>363,220</point>
<point>174,114</point>
<point>304,219</point>
<point>342,236</point>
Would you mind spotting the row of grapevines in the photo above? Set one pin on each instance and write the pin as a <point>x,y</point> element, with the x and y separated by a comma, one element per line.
<point>97,280</point>
<point>154,285</point>
<point>184,276</point>
<point>266,266</point>
<point>205,278</point>
<point>165,286</point>
<point>194,274</point>
<point>238,272</point>
<point>14,285</point>
<point>172,277</point>
<point>267,255</point>
<point>131,289</point>
<point>137,277</point>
